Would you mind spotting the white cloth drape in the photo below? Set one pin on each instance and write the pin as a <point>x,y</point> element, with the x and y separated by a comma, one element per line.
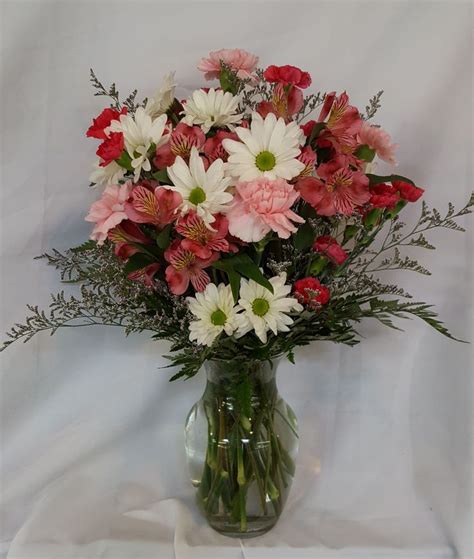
<point>92,452</point>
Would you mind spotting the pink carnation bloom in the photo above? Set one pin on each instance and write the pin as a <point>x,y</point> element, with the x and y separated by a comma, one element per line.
<point>157,206</point>
<point>109,211</point>
<point>341,189</point>
<point>241,61</point>
<point>184,267</point>
<point>260,206</point>
<point>379,140</point>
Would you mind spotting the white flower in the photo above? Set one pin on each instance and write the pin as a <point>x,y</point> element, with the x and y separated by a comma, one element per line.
<point>110,174</point>
<point>140,132</point>
<point>202,191</point>
<point>264,310</point>
<point>163,98</point>
<point>269,149</point>
<point>211,108</point>
<point>215,312</point>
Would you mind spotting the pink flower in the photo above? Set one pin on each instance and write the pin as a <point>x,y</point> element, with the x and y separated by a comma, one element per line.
<point>328,246</point>
<point>184,267</point>
<point>213,148</point>
<point>341,189</point>
<point>376,138</point>
<point>241,61</point>
<point>308,157</point>
<point>344,121</point>
<point>156,206</point>
<point>286,102</point>
<point>109,211</point>
<point>310,292</point>
<point>260,206</point>
<point>146,274</point>
<point>287,75</point>
<point>200,239</point>
<point>182,139</point>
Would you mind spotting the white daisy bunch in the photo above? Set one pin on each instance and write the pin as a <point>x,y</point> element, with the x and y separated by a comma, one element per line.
<point>258,310</point>
<point>211,108</point>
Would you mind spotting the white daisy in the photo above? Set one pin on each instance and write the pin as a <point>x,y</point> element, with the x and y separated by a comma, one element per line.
<point>268,148</point>
<point>110,174</point>
<point>201,190</point>
<point>264,310</point>
<point>163,98</point>
<point>140,133</point>
<point>215,312</point>
<point>211,108</point>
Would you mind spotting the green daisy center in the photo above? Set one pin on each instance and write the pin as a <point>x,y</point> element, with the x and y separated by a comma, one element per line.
<point>260,307</point>
<point>218,318</point>
<point>265,161</point>
<point>197,196</point>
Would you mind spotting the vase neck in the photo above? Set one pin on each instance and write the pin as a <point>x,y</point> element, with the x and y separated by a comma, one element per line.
<point>227,373</point>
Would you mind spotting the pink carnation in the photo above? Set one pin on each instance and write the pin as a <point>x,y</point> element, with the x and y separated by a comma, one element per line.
<point>241,61</point>
<point>379,140</point>
<point>260,206</point>
<point>109,211</point>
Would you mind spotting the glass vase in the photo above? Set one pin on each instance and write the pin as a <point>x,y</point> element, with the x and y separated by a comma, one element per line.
<point>241,445</point>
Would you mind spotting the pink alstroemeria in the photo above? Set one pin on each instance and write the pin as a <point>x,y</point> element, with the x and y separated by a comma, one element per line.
<point>125,237</point>
<point>239,60</point>
<point>213,148</point>
<point>308,157</point>
<point>146,274</point>
<point>344,121</point>
<point>109,211</point>
<point>182,139</point>
<point>156,206</point>
<point>201,240</point>
<point>338,189</point>
<point>184,267</point>
<point>286,101</point>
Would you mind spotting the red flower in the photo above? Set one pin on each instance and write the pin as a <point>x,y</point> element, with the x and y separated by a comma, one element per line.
<point>99,124</point>
<point>338,190</point>
<point>200,239</point>
<point>213,147</point>
<point>408,191</point>
<point>156,206</point>
<point>384,196</point>
<point>126,236</point>
<point>145,274</point>
<point>308,157</point>
<point>286,102</point>
<point>287,75</point>
<point>328,246</point>
<point>308,127</point>
<point>186,267</point>
<point>111,148</point>
<point>310,292</point>
<point>182,139</point>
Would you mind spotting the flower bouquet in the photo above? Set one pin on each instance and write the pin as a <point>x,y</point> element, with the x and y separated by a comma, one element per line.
<point>238,228</point>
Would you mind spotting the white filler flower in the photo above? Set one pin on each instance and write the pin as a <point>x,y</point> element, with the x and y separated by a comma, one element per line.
<point>140,132</point>
<point>163,98</point>
<point>211,108</point>
<point>269,148</point>
<point>264,310</point>
<point>201,190</point>
<point>215,312</point>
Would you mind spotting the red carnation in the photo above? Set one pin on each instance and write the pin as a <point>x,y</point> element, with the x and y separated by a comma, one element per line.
<point>287,75</point>
<point>328,246</point>
<point>310,292</point>
<point>99,124</point>
<point>111,148</point>
<point>384,196</point>
<point>408,191</point>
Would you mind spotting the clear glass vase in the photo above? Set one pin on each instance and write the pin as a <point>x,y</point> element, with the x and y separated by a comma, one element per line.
<point>241,445</point>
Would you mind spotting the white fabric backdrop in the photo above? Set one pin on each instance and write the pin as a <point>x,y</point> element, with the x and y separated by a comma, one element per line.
<point>92,432</point>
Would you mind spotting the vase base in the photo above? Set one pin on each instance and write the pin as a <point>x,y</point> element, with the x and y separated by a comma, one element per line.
<point>256,526</point>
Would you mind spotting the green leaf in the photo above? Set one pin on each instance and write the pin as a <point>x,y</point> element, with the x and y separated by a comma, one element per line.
<point>245,266</point>
<point>390,214</point>
<point>88,245</point>
<point>318,265</point>
<point>137,262</point>
<point>377,179</point>
<point>125,161</point>
<point>234,280</point>
<point>304,237</point>
<point>349,232</point>
<point>163,238</point>
<point>229,80</point>
<point>372,217</point>
<point>365,153</point>
<point>162,176</point>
